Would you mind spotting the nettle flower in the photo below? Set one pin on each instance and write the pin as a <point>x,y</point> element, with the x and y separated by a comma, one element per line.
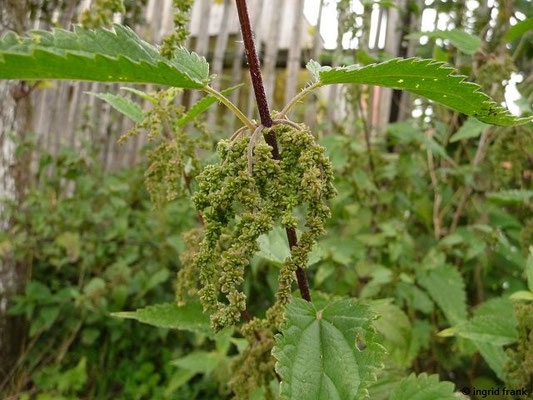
<point>241,198</point>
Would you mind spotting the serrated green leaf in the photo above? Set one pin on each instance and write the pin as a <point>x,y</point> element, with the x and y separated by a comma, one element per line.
<point>317,352</point>
<point>494,355</point>
<point>470,129</point>
<point>198,362</point>
<point>423,387</point>
<point>416,297</point>
<point>525,295</point>
<point>396,329</point>
<point>427,78</point>
<point>171,316</point>
<point>493,322</point>
<point>202,105</point>
<point>464,41</point>
<point>519,29</point>
<point>103,55</point>
<point>315,68</point>
<point>510,196</point>
<point>387,380</point>
<point>122,104</point>
<point>446,287</point>
<point>178,379</point>
<point>487,329</point>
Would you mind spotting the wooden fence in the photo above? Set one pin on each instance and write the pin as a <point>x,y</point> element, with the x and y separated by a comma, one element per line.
<point>64,114</point>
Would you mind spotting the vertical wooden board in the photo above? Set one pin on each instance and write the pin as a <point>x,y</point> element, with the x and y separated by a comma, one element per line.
<point>295,50</point>
<point>202,39</point>
<point>271,49</point>
<point>334,91</point>
<point>310,114</point>
<point>221,47</point>
<point>393,38</point>
<point>415,25</point>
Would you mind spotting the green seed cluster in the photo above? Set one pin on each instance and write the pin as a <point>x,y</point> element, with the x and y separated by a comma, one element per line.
<point>187,280</point>
<point>101,13</point>
<point>173,159</point>
<point>511,171</point>
<point>310,182</point>
<point>181,18</point>
<point>238,207</point>
<point>255,368</point>
<point>495,69</point>
<point>520,357</point>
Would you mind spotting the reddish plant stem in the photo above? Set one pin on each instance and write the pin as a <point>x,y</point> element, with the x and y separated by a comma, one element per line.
<point>253,62</point>
<point>266,120</point>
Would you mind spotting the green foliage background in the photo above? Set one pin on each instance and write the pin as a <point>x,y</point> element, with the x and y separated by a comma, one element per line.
<point>450,280</point>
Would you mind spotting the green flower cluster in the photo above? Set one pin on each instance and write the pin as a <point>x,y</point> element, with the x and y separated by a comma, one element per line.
<point>510,157</point>
<point>254,369</point>
<point>238,207</point>
<point>177,37</point>
<point>520,361</point>
<point>101,13</point>
<point>173,160</point>
<point>187,281</point>
<point>495,68</point>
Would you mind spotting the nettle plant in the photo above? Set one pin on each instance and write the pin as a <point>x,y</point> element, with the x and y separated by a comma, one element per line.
<point>269,174</point>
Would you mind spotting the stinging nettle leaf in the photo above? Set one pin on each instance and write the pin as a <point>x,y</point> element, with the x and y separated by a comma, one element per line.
<point>519,29</point>
<point>327,351</point>
<point>103,55</point>
<point>198,361</point>
<point>171,316</point>
<point>487,329</point>
<point>493,322</point>
<point>315,68</point>
<point>522,295</point>
<point>423,387</point>
<point>470,129</point>
<point>510,196</point>
<point>495,356</point>
<point>428,78</point>
<point>446,287</point>
<point>122,104</point>
<point>464,41</point>
<point>396,329</point>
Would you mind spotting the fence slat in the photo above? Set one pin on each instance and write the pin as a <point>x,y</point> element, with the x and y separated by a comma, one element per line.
<point>271,50</point>
<point>295,50</point>
<point>221,45</point>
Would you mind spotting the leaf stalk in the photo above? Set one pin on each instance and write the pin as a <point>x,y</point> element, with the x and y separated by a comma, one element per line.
<point>227,102</point>
<point>297,98</point>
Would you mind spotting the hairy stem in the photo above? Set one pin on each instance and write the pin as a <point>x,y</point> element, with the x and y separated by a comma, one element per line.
<point>266,120</point>
<point>297,98</point>
<point>227,102</point>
